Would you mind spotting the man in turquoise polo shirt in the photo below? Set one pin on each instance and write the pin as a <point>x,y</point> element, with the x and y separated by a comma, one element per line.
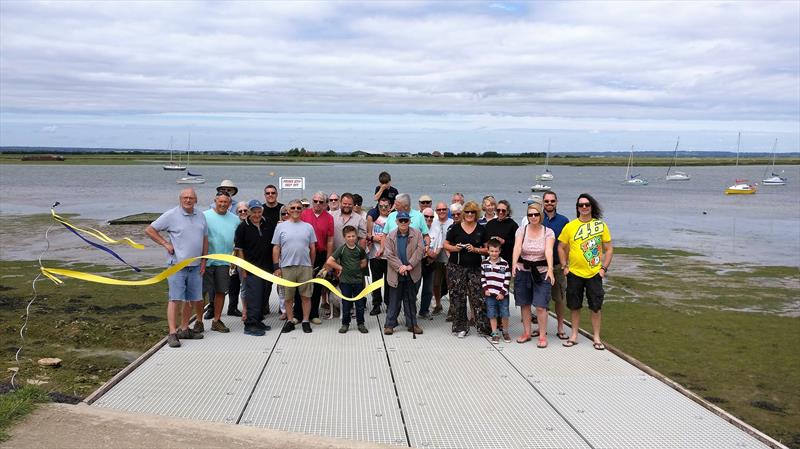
<point>221,229</point>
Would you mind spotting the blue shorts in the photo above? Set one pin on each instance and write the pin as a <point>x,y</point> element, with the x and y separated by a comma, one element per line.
<point>495,308</point>
<point>527,292</point>
<point>186,285</point>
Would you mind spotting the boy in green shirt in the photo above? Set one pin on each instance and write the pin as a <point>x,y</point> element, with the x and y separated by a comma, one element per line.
<point>348,261</point>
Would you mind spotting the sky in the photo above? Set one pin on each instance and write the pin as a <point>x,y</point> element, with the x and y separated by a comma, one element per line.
<point>401,76</point>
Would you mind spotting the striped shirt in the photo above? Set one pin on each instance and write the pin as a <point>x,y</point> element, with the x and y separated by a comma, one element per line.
<point>495,277</point>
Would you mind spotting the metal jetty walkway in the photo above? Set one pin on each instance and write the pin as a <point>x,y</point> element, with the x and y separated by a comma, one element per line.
<point>435,391</point>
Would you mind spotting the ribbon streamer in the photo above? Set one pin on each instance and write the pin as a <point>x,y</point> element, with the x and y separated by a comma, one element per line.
<point>251,269</point>
<point>95,233</point>
<point>99,246</point>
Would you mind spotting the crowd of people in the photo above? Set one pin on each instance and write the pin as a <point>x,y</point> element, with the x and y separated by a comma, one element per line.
<point>474,254</point>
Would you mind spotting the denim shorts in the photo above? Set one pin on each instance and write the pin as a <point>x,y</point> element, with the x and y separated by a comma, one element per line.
<point>186,285</point>
<point>527,292</point>
<point>495,308</point>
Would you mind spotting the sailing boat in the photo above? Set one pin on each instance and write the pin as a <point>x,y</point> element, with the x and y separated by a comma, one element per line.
<point>191,178</point>
<point>547,175</point>
<point>742,186</point>
<point>172,165</point>
<point>676,174</point>
<point>633,180</point>
<point>774,180</point>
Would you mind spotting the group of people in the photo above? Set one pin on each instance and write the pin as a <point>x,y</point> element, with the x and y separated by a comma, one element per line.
<point>474,254</point>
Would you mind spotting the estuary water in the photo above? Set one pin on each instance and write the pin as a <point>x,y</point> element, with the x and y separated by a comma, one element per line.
<point>760,229</point>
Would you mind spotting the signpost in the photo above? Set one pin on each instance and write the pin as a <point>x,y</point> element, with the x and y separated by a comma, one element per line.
<point>293,183</point>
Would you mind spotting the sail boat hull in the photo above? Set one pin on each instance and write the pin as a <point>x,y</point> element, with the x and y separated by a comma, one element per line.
<point>175,167</point>
<point>545,177</point>
<point>775,180</point>
<point>678,176</point>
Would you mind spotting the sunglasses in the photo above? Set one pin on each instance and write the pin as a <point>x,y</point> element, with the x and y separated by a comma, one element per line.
<point>295,208</point>
<point>403,220</point>
<point>243,211</point>
<point>441,210</point>
<point>534,214</point>
<point>333,200</point>
<point>471,212</point>
<point>319,201</point>
<point>425,202</point>
<point>456,214</point>
<point>384,206</point>
<point>429,216</point>
<point>549,201</point>
<point>502,210</point>
<point>270,193</point>
<point>583,205</point>
<point>284,213</point>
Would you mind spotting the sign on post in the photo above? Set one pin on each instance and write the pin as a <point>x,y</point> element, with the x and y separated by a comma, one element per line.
<point>298,183</point>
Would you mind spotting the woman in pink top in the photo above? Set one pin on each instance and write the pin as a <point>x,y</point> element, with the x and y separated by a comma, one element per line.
<point>533,271</point>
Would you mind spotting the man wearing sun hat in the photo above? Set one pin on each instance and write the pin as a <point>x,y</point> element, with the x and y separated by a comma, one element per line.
<point>230,188</point>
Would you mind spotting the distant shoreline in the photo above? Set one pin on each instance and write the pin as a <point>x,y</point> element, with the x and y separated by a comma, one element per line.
<point>155,159</point>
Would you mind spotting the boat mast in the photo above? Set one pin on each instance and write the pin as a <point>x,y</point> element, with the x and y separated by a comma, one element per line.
<point>628,170</point>
<point>738,141</point>
<point>547,156</point>
<point>675,156</point>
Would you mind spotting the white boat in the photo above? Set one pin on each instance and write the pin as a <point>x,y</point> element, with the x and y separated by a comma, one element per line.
<point>539,187</point>
<point>633,180</point>
<point>547,175</point>
<point>173,165</point>
<point>676,175</point>
<point>774,179</point>
<point>741,186</point>
<point>192,178</point>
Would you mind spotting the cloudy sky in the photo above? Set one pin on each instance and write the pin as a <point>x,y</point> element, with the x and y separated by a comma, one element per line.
<point>401,76</point>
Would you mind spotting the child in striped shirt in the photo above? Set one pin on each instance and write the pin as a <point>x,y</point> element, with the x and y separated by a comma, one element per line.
<point>495,278</point>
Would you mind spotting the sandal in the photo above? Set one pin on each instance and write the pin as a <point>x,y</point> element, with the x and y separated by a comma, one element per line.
<point>569,343</point>
<point>542,343</point>
<point>536,333</point>
<point>524,338</point>
<point>599,346</point>
<point>562,336</point>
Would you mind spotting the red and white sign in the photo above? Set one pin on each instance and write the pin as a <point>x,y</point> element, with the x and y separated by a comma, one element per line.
<point>293,183</point>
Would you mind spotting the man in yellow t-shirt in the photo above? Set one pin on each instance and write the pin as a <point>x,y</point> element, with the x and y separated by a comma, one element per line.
<point>585,256</point>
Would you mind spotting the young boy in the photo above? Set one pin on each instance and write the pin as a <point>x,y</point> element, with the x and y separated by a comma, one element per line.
<point>385,189</point>
<point>348,260</point>
<point>495,278</point>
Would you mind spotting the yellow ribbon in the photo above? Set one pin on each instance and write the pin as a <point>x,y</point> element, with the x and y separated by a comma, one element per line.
<point>95,233</point>
<point>251,269</point>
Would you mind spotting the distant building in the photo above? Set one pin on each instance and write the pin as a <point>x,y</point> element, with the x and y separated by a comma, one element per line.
<point>436,154</point>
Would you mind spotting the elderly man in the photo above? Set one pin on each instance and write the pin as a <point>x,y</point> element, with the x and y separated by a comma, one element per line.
<point>322,222</point>
<point>254,244</point>
<point>216,279</point>
<point>227,186</point>
<point>585,253</point>
<point>293,252</point>
<point>402,203</point>
<point>188,237</point>
<point>425,201</point>
<point>333,202</point>
<point>404,252</point>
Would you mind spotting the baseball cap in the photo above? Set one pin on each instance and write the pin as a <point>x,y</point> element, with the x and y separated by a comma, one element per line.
<point>402,215</point>
<point>253,204</point>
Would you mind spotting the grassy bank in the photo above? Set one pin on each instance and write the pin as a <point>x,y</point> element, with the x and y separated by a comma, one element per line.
<point>248,159</point>
<point>15,405</point>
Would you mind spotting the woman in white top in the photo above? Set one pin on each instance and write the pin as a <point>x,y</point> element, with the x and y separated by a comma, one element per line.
<point>533,271</point>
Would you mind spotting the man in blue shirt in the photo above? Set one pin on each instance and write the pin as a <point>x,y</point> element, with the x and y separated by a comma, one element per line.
<point>556,222</point>
<point>188,237</point>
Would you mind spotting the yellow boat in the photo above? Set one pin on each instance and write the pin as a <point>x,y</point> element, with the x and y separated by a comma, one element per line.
<point>741,188</point>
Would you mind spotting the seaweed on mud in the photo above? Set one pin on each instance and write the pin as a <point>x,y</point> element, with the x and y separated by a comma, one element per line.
<point>768,406</point>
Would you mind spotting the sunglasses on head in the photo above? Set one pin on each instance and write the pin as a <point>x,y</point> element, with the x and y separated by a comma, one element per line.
<point>584,205</point>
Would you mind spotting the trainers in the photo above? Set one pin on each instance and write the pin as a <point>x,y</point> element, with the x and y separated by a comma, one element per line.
<point>316,321</point>
<point>263,327</point>
<point>415,329</point>
<point>344,328</point>
<point>363,329</point>
<point>461,334</point>
<point>506,337</point>
<point>209,313</point>
<point>172,341</point>
<point>388,331</point>
<point>287,327</point>
<point>234,313</point>
<point>295,321</point>
<point>253,330</point>
<point>219,326</point>
<point>437,310</point>
<point>495,338</point>
<point>199,328</point>
<point>188,334</point>
<point>306,327</point>
<point>375,311</point>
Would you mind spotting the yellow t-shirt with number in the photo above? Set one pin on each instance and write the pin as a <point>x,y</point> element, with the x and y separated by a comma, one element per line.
<point>585,243</point>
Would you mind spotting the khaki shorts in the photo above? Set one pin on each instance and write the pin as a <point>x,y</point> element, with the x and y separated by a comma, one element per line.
<point>559,290</point>
<point>298,273</point>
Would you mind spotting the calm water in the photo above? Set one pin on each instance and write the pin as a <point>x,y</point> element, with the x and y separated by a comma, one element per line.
<point>761,229</point>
